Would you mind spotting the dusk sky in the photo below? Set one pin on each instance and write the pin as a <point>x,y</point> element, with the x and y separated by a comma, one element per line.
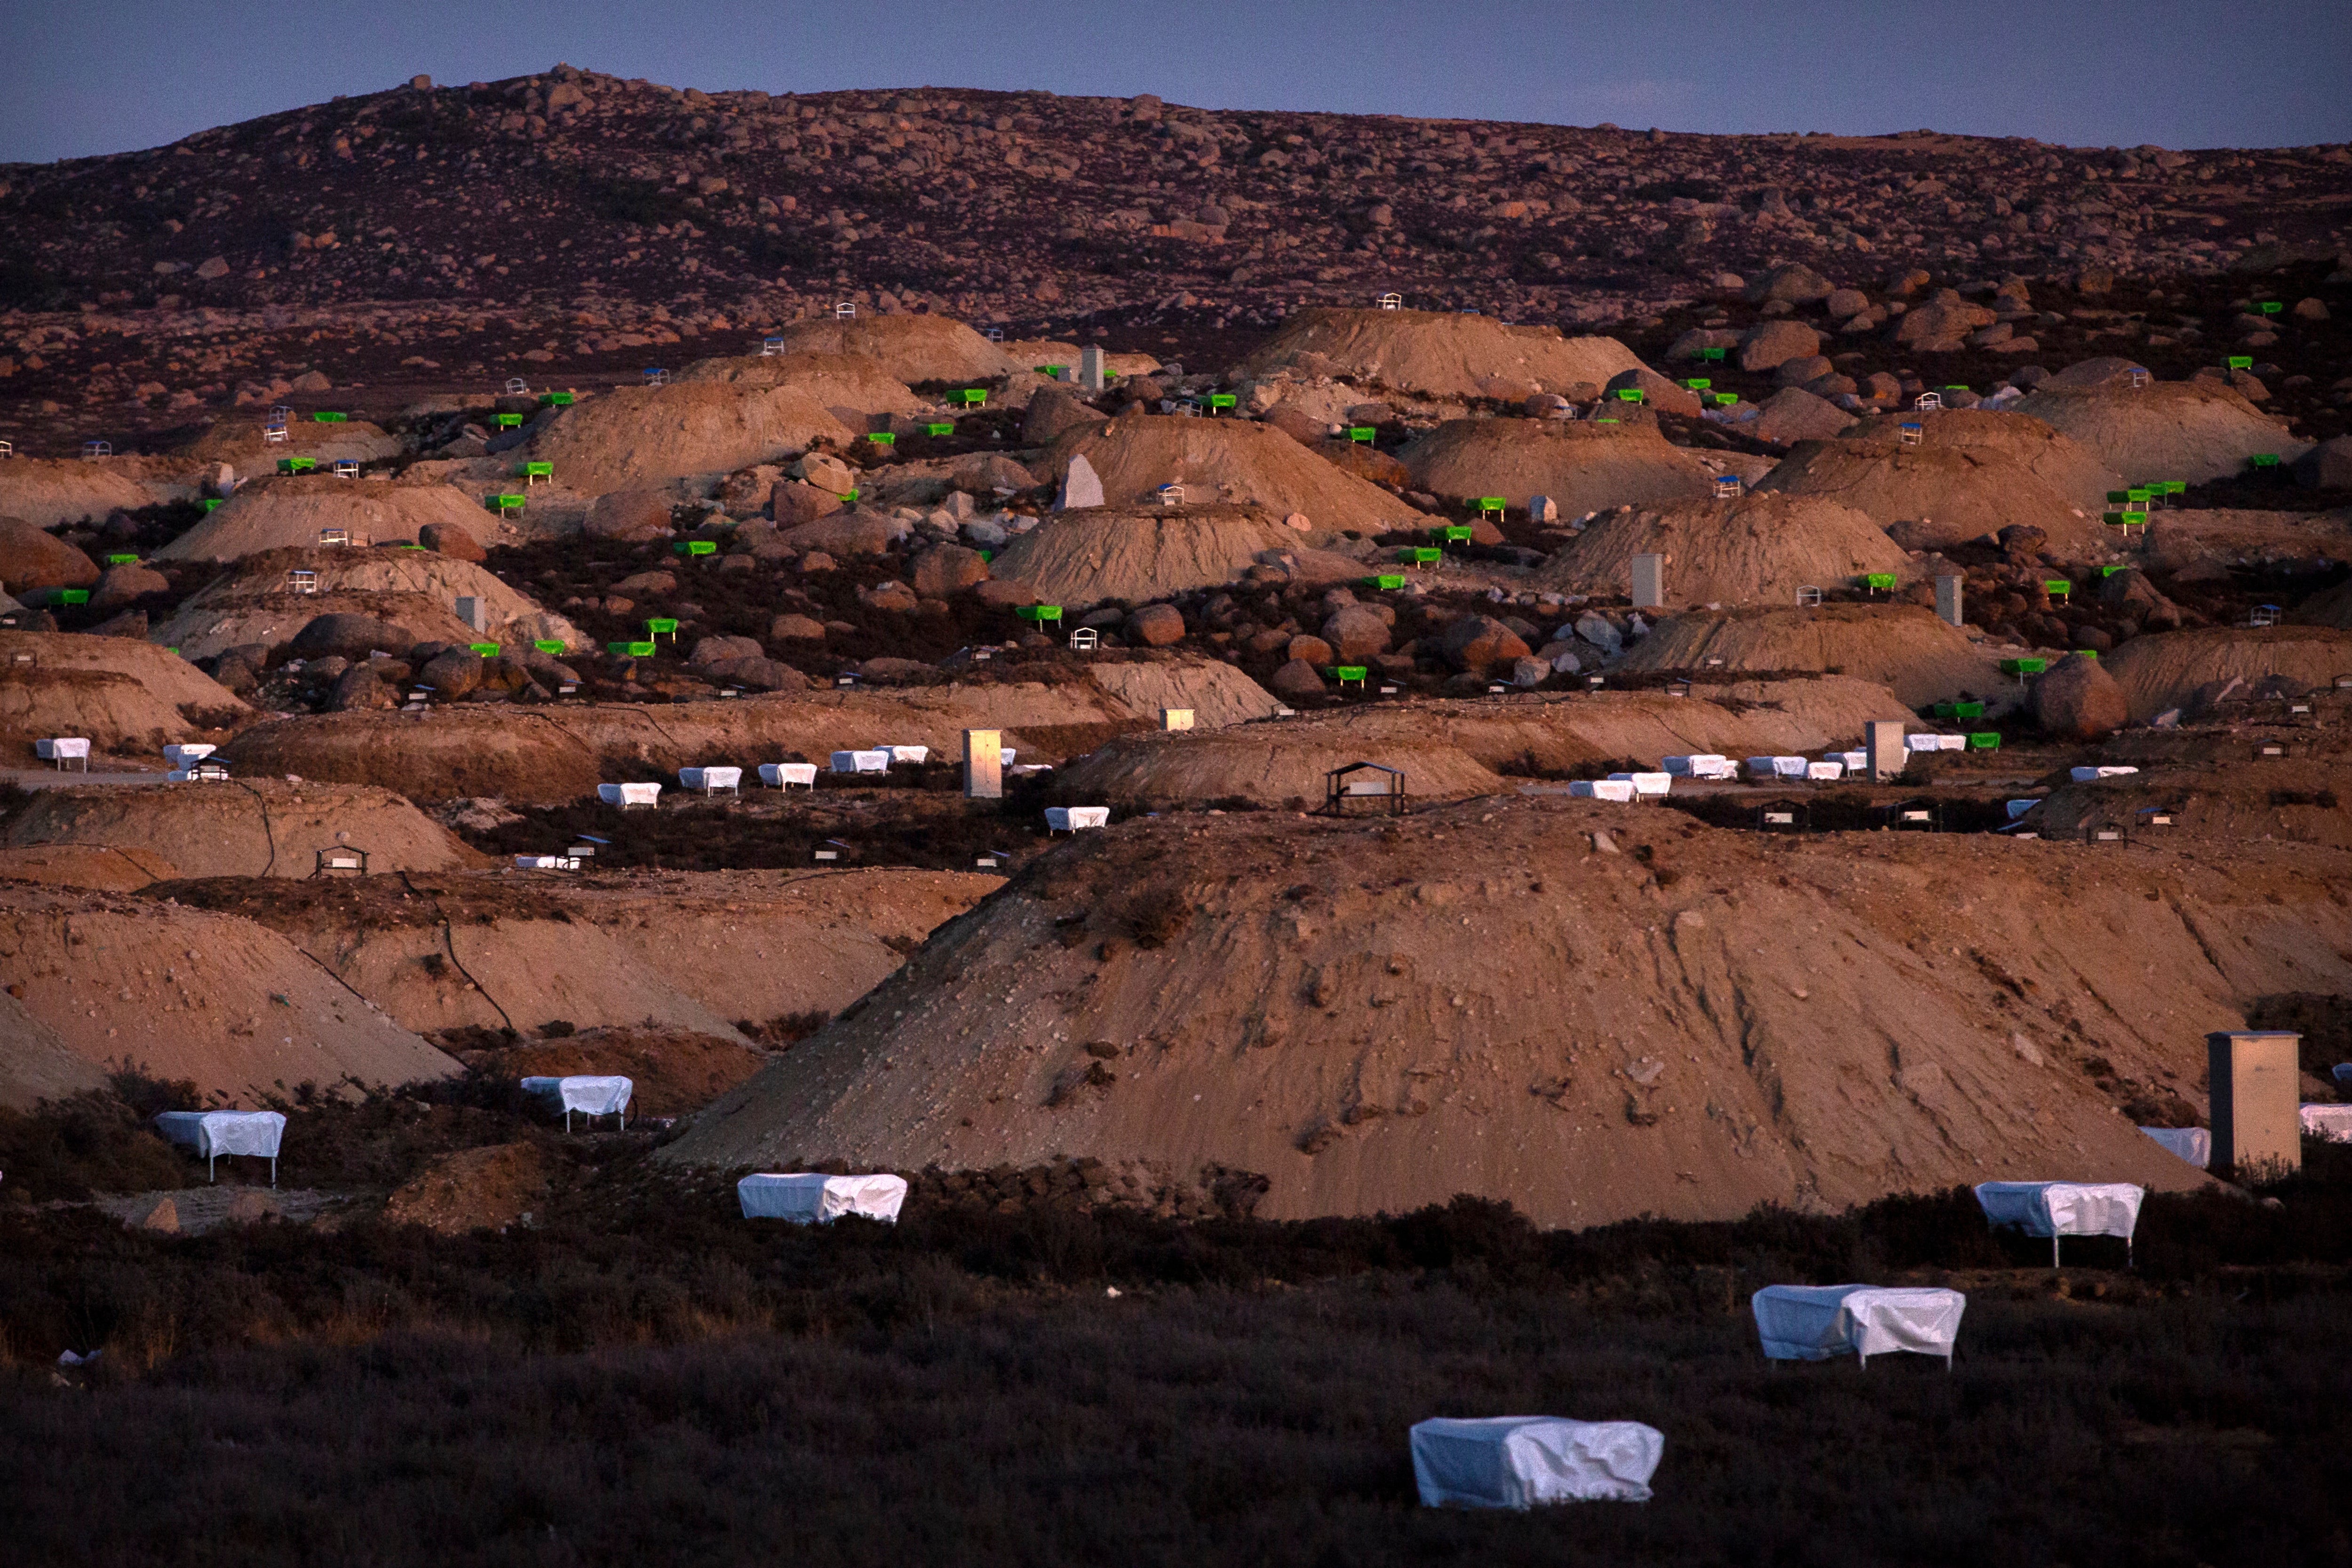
<point>105,76</point>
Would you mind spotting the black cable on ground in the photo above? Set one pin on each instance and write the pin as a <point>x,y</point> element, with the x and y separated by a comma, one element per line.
<point>449,941</point>
<point>266,828</point>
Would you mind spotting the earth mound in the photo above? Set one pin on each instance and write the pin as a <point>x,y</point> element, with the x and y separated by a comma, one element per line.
<point>854,382</point>
<point>294,511</point>
<point>2169,669</point>
<point>2194,430</point>
<point>2291,800</point>
<point>2058,461</point>
<point>914,348</point>
<point>2330,607</point>
<point>1590,1011</point>
<point>1438,354</point>
<point>122,694</point>
<point>255,603</point>
<point>1216,694</point>
<point>1279,764</point>
<point>670,1070</point>
<point>1918,657</point>
<point>236,439</point>
<point>1142,552</point>
<point>102,868</point>
<point>1583,465</point>
<point>35,1064</point>
<point>1932,497</point>
<point>1760,548</point>
<point>458,751</point>
<point>641,436</point>
<point>488,1188</point>
<point>187,993</point>
<point>254,828</point>
<point>1228,461</point>
<point>52,492</point>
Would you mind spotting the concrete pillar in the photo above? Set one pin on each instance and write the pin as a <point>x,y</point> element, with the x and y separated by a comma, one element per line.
<point>2256,1093</point>
<point>1947,599</point>
<point>983,764</point>
<point>473,612</point>
<point>1882,738</point>
<point>1649,582</point>
<point>1091,369</point>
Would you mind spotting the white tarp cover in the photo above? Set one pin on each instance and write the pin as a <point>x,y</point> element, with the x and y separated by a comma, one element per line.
<point>2063,1207</point>
<point>1069,819</point>
<point>861,762</point>
<point>1814,1323</point>
<point>2333,1123</point>
<point>1855,761</point>
<point>1689,767</point>
<point>181,756</point>
<point>1645,783</point>
<point>1923,743</point>
<point>782,775</point>
<point>1518,1462</point>
<point>1791,767</point>
<point>51,751</point>
<point>2086,775</point>
<point>2194,1145</point>
<point>1951,743</point>
<point>709,779</point>
<point>809,1198</point>
<point>211,1132</point>
<point>1602,789</point>
<point>596,1096</point>
<point>547,863</point>
<point>627,795</point>
<point>1824,770</point>
<point>916,754</point>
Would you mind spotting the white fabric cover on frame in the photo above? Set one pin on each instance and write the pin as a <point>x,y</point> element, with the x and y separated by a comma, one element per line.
<point>1814,1323</point>
<point>2063,1207</point>
<point>1619,790</point>
<point>596,1096</point>
<point>812,1198</point>
<point>1824,770</point>
<point>784,775</point>
<point>915,754</point>
<point>2333,1123</point>
<point>1070,819</point>
<point>627,795</point>
<point>1518,1462</point>
<point>215,1133</point>
<point>181,756</point>
<point>61,748</point>
<point>2194,1145</point>
<point>1791,767</point>
<point>1645,784</point>
<point>1689,767</point>
<point>707,779</point>
<point>861,762</point>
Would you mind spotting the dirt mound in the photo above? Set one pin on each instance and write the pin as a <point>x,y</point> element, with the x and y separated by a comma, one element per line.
<point>254,604</point>
<point>293,512</point>
<point>1932,497</point>
<point>701,952</point>
<point>237,440</point>
<point>2332,607</point>
<point>853,382</point>
<point>2164,671</point>
<point>1588,1011</point>
<point>51,492</point>
<point>2058,461</point>
<point>475,1190</point>
<point>2194,430</point>
<point>102,868</point>
<point>915,349</point>
<point>1217,694</point>
<point>2291,800</point>
<point>1583,466</point>
<point>1146,552</point>
<point>35,1064</point>
<point>115,713</point>
<point>1438,354</point>
<point>1230,461</point>
<point>261,827</point>
<point>2179,538</point>
<point>504,751</point>
<point>1906,649</point>
<point>186,993</point>
<point>168,677</point>
<point>640,436</point>
<point>1277,764</point>
<point>670,1070</point>
<point>1759,550</point>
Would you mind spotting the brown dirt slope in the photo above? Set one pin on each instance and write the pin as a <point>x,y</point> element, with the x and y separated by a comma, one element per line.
<point>278,513</point>
<point>1582,466</point>
<point>1934,497</point>
<point>670,1070</point>
<point>254,827</point>
<point>486,1189</point>
<point>253,605</point>
<point>2332,607</point>
<point>113,712</point>
<point>1377,1015</point>
<point>35,1063</point>
<point>102,868</point>
<point>1217,694</point>
<point>236,439</point>
<point>173,681</point>
<point>852,381</point>
<point>1759,550</point>
<point>2290,799</point>
<point>1899,646</point>
<point>2164,671</point>
<point>1273,764</point>
<point>508,752</point>
<point>1142,552</point>
<point>51,492</point>
<point>914,348</point>
<point>645,437</point>
<point>1232,461</point>
<point>189,994</point>
<point>2057,460</point>
<point>2195,429</point>
<point>1439,354</point>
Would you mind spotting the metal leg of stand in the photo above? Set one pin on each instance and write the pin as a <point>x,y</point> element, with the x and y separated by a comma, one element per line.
<point>210,1161</point>
<point>2053,1251</point>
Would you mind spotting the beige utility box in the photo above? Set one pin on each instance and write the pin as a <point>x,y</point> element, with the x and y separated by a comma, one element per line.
<point>2257,1100</point>
<point>983,764</point>
<point>1886,757</point>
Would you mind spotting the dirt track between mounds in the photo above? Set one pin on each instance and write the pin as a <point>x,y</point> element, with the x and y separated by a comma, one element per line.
<point>1592,1011</point>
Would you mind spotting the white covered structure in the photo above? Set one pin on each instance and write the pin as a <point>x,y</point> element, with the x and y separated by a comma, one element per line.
<point>627,795</point>
<point>188,755</point>
<point>1702,765</point>
<point>1824,771</point>
<point>589,1094</point>
<point>1814,1323</point>
<point>1519,1461</point>
<point>2061,1208</point>
<point>1645,784</point>
<point>1619,790</point>
<point>2333,1123</point>
<point>213,1134</point>
<point>915,754</point>
<point>861,762</point>
<point>2194,1145</point>
<point>710,780</point>
<point>1071,819</point>
<point>785,774</point>
<point>64,749</point>
<point>812,1198</point>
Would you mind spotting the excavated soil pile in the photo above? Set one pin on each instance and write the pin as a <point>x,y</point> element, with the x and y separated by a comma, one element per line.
<point>2331,608</point>
<point>1583,466</point>
<point>1230,461</point>
<point>455,751</point>
<point>1588,1012</point>
<point>915,349</point>
<point>649,437</point>
<point>486,1189</point>
<point>247,827</point>
<point>1759,550</point>
<point>2171,669</point>
<point>122,695</point>
<point>414,589</point>
<point>1438,354</point>
<point>2291,800</point>
<point>1932,497</point>
<point>670,1070</point>
<point>2063,464</point>
<point>2195,429</point>
<point>2179,537</point>
<point>701,952</point>
<point>1142,553</point>
<point>851,386</point>
<point>1906,649</point>
<point>102,868</point>
<point>1451,748</point>
<point>36,1064</point>
<point>186,993</point>
<point>236,439</point>
<point>50,492</point>
<point>1213,692</point>
<point>294,511</point>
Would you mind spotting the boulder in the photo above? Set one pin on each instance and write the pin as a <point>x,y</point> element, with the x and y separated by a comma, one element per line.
<point>1943,322</point>
<point>1314,650</point>
<point>1156,625</point>
<point>349,636</point>
<point>1657,392</point>
<point>2327,466</point>
<point>1768,345</point>
<point>942,570</point>
<point>793,504</point>
<point>717,650</point>
<point>453,542</point>
<point>1792,414</point>
<point>825,472</point>
<point>455,673</point>
<point>1477,642</point>
<point>1054,410</point>
<point>849,533</point>
<point>1081,488</point>
<point>2078,700</point>
<point>998,594</point>
<point>31,557</point>
<point>628,514</point>
<point>795,628</point>
<point>1529,672</point>
<point>756,674</point>
<point>1795,283</point>
<point>1356,632</point>
<point>1295,680</point>
<point>362,688</point>
<point>121,584</point>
